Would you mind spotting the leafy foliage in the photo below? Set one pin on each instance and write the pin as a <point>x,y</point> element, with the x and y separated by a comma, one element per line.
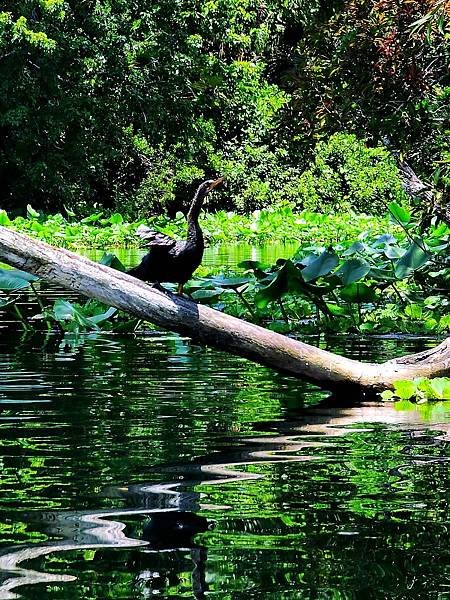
<point>377,69</point>
<point>68,316</point>
<point>377,284</point>
<point>346,173</point>
<point>420,389</point>
<point>108,102</point>
<point>107,105</point>
<point>279,224</point>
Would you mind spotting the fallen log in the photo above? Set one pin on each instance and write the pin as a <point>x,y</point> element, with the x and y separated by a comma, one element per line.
<point>211,327</point>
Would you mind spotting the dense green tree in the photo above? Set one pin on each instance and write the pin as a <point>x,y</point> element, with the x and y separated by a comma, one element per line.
<point>95,94</point>
<point>126,103</point>
<point>378,68</point>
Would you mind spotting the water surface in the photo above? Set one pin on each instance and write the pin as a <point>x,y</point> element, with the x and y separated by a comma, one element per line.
<point>146,466</point>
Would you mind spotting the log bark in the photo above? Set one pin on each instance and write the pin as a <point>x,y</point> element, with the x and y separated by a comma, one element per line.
<point>211,327</point>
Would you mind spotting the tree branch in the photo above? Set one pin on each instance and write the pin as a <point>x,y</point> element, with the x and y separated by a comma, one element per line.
<point>211,327</point>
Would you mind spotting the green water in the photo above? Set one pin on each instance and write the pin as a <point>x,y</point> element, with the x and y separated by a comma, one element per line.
<point>145,466</point>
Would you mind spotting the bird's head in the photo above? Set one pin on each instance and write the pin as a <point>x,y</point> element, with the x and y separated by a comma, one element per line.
<point>208,185</point>
<point>212,183</point>
<point>202,191</point>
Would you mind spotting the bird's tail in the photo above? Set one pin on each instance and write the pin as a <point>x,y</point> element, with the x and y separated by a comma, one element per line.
<point>137,272</point>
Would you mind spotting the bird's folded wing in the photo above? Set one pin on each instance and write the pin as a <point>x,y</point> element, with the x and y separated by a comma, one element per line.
<point>154,238</point>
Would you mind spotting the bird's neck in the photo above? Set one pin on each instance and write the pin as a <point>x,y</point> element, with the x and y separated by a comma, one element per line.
<point>194,231</point>
<point>196,205</point>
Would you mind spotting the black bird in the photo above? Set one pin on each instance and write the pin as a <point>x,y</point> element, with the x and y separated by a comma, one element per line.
<point>170,260</point>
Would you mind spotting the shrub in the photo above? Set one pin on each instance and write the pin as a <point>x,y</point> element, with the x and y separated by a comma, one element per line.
<point>346,173</point>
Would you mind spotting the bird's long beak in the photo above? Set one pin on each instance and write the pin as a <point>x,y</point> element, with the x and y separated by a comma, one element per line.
<point>215,183</point>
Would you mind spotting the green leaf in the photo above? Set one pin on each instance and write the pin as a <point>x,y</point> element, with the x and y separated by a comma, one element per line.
<point>255,266</point>
<point>230,282</point>
<point>353,270</point>
<point>433,302</point>
<point>31,213</point>
<point>367,327</point>
<point>440,388</point>
<point>287,279</point>
<point>64,311</point>
<point>338,311</point>
<point>386,239</point>
<point>355,248</point>
<point>110,260</point>
<point>4,219</point>
<point>116,219</point>
<point>273,291</point>
<point>399,214</point>
<point>414,258</point>
<point>206,295</point>
<point>387,395</point>
<point>320,266</point>
<point>69,212</point>
<point>393,252</point>
<point>405,389</point>
<point>4,301</point>
<point>97,319</point>
<point>92,218</point>
<point>358,293</point>
<point>382,274</point>
<point>10,281</point>
<point>22,275</point>
<point>414,311</point>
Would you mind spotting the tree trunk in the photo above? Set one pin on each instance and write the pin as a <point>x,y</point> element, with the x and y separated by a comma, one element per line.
<point>211,327</point>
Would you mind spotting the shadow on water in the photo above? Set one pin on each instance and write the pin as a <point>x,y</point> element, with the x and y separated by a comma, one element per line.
<point>148,466</point>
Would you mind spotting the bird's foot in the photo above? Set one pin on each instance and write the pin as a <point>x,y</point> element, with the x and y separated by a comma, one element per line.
<point>157,286</point>
<point>183,294</point>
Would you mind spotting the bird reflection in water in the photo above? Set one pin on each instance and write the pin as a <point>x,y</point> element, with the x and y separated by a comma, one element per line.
<point>171,530</point>
<point>174,532</point>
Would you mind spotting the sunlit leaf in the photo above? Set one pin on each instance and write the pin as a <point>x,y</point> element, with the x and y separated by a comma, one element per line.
<point>404,389</point>
<point>31,213</point>
<point>393,252</point>
<point>92,218</point>
<point>337,310</point>
<point>97,319</point>
<point>399,214</point>
<point>440,387</point>
<point>4,219</point>
<point>384,239</point>
<point>116,219</point>
<point>414,311</point>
